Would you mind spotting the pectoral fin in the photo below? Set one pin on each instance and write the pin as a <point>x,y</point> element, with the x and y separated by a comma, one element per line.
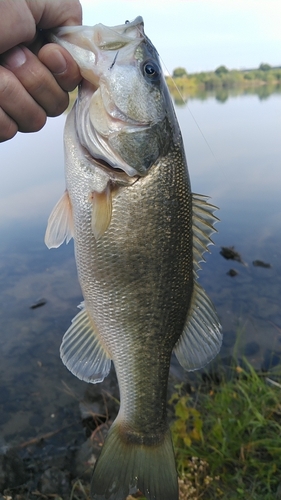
<point>201,338</point>
<point>101,211</point>
<point>82,351</point>
<point>60,223</point>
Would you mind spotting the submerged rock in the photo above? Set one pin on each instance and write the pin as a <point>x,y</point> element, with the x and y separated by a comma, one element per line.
<point>55,481</point>
<point>38,303</point>
<point>230,253</point>
<point>251,348</point>
<point>270,360</point>
<point>232,272</point>
<point>12,470</point>
<point>260,263</point>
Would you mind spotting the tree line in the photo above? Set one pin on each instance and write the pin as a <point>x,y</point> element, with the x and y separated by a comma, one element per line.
<point>222,78</point>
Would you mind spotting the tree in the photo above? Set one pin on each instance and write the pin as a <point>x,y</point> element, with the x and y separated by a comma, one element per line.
<point>264,67</point>
<point>221,70</point>
<point>179,72</point>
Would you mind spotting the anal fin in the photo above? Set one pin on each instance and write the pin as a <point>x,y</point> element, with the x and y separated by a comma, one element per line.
<point>201,338</point>
<point>82,352</point>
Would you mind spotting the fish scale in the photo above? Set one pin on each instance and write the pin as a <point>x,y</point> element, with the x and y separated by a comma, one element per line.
<point>139,235</point>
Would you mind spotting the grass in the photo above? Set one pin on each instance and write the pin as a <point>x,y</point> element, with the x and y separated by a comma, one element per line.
<point>229,446</point>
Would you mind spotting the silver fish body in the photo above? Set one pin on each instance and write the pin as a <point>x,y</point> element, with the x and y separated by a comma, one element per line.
<point>139,235</point>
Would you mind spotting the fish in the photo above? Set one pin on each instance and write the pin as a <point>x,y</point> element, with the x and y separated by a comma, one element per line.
<point>139,237</point>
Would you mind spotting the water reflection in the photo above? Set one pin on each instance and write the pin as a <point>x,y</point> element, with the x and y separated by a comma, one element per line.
<point>222,94</point>
<point>237,163</point>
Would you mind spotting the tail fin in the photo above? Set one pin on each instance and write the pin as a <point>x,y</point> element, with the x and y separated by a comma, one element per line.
<point>123,468</point>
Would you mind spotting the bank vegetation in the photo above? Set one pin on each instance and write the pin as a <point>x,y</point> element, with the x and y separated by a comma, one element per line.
<point>223,80</point>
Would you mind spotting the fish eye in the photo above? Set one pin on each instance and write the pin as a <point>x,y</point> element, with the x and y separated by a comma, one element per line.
<point>151,71</point>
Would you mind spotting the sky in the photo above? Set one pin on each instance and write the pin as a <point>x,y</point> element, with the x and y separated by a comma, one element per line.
<point>200,35</point>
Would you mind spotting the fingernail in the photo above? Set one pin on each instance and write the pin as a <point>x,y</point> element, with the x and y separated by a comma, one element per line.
<point>13,58</point>
<point>58,64</point>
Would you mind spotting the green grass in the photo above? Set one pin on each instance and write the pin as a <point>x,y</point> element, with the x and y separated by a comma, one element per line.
<point>228,444</point>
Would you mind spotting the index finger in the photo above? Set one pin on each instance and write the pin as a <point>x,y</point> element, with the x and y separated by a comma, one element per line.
<point>17,25</point>
<point>49,14</point>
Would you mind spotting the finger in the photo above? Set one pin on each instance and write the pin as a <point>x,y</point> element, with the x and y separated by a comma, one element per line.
<point>61,64</point>
<point>36,79</point>
<point>8,128</point>
<point>17,104</point>
<point>17,24</point>
<point>49,14</point>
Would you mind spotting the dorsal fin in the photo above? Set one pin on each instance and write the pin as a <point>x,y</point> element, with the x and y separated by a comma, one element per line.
<point>203,220</point>
<point>201,338</point>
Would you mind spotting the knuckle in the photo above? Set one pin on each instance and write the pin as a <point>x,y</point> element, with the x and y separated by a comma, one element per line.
<point>7,84</point>
<point>47,92</point>
<point>39,121</point>
<point>37,80</point>
<point>34,123</point>
<point>71,80</point>
<point>58,106</point>
<point>18,109</point>
<point>8,128</point>
<point>74,7</point>
<point>9,133</point>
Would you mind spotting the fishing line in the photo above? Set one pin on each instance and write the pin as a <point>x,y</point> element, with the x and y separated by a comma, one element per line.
<point>192,115</point>
<point>183,100</point>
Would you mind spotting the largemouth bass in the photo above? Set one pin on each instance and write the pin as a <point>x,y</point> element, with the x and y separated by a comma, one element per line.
<point>139,236</point>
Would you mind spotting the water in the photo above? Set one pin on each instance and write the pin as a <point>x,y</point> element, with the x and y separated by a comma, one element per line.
<point>239,168</point>
<point>243,177</point>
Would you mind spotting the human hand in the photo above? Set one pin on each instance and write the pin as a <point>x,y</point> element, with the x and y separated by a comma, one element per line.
<point>32,86</point>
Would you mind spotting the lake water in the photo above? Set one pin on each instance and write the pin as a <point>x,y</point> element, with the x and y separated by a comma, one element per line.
<point>237,161</point>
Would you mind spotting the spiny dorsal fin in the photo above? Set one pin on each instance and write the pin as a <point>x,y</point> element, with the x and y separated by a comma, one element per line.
<point>60,223</point>
<point>201,338</point>
<point>101,211</point>
<point>82,352</point>
<point>203,220</point>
